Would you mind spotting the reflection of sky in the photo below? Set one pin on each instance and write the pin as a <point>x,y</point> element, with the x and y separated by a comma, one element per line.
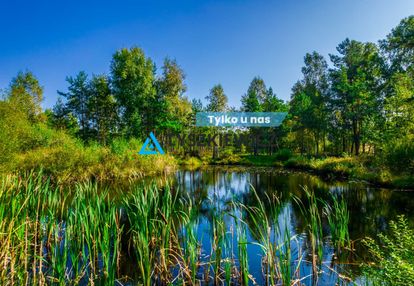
<point>224,188</point>
<point>369,208</point>
<point>228,187</point>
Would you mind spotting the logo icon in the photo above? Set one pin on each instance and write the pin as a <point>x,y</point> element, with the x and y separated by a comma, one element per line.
<point>151,146</point>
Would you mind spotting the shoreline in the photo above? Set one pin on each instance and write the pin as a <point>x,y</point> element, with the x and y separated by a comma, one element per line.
<point>338,168</point>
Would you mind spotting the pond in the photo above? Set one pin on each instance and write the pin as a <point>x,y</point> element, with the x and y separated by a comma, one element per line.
<point>216,225</point>
<point>215,190</point>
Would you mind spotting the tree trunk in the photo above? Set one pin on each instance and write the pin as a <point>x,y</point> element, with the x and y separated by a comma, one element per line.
<point>357,139</point>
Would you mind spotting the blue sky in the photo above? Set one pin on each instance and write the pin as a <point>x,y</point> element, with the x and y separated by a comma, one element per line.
<point>227,42</point>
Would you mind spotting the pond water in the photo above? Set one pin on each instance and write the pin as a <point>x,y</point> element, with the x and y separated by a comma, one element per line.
<point>215,188</point>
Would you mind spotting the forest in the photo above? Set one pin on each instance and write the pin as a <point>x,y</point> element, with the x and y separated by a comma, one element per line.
<point>351,114</point>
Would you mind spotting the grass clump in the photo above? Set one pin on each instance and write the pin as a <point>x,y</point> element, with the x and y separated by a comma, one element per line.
<point>46,238</point>
<point>338,219</point>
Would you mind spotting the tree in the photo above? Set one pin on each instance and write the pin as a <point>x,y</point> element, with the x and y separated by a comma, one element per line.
<point>252,102</point>
<point>258,87</point>
<point>132,76</point>
<point>217,99</point>
<point>300,114</point>
<point>256,94</point>
<point>315,86</point>
<point>102,108</point>
<point>26,93</point>
<point>356,83</point>
<point>77,98</point>
<point>60,118</point>
<point>172,107</point>
<point>272,103</point>
<point>399,46</point>
<point>196,105</point>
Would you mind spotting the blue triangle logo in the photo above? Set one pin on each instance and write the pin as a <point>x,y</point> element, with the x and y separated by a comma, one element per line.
<point>151,146</point>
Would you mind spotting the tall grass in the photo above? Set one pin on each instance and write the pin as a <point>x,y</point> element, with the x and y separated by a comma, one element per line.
<point>242,253</point>
<point>151,214</point>
<point>310,209</point>
<point>190,247</point>
<point>83,235</point>
<point>47,239</point>
<point>275,241</point>
<point>338,220</point>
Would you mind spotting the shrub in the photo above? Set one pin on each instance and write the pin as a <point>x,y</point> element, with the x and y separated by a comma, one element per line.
<point>192,162</point>
<point>400,156</point>
<point>297,162</point>
<point>283,154</point>
<point>393,257</point>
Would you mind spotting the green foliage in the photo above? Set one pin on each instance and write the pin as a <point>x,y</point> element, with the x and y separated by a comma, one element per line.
<point>61,119</point>
<point>363,105</point>
<point>272,103</point>
<point>400,156</point>
<point>283,154</point>
<point>171,106</point>
<point>77,98</point>
<point>26,146</point>
<point>26,94</point>
<point>217,99</point>
<point>256,93</point>
<point>338,219</point>
<point>228,157</point>
<point>399,45</point>
<point>132,75</point>
<point>398,106</point>
<point>42,230</point>
<point>308,105</point>
<point>393,256</point>
<point>102,109</point>
<point>356,82</point>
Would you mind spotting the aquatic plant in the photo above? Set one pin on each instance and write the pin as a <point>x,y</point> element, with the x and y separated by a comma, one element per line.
<point>338,220</point>
<point>81,235</point>
<point>313,225</point>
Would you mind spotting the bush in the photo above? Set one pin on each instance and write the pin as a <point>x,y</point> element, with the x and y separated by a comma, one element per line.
<point>283,154</point>
<point>192,162</point>
<point>400,156</point>
<point>28,146</point>
<point>393,257</point>
<point>297,162</point>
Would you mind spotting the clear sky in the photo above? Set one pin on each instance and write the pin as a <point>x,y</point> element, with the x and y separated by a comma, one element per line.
<point>227,42</point>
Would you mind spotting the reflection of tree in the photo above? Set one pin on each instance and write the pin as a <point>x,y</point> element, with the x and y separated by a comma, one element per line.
<point>214,188</point>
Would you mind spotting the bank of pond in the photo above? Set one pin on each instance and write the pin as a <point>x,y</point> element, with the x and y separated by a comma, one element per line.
<point>209,226</point>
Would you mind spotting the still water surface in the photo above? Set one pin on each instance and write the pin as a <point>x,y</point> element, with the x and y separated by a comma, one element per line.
<point>215,188</point>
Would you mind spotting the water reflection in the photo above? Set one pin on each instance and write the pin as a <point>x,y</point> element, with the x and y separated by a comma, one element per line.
<point>215,188</point>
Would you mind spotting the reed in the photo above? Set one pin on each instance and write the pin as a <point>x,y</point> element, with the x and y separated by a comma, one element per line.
<point>242,254</point>
<point>190,247</point>
<point>313,224</point>
<point>266,221</point>
<point>55,236</point>
<point>218,233</point>
<point>338,219</point>
<point>48,240</point>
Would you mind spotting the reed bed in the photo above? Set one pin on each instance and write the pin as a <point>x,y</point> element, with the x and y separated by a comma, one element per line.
<point>86,235</point>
